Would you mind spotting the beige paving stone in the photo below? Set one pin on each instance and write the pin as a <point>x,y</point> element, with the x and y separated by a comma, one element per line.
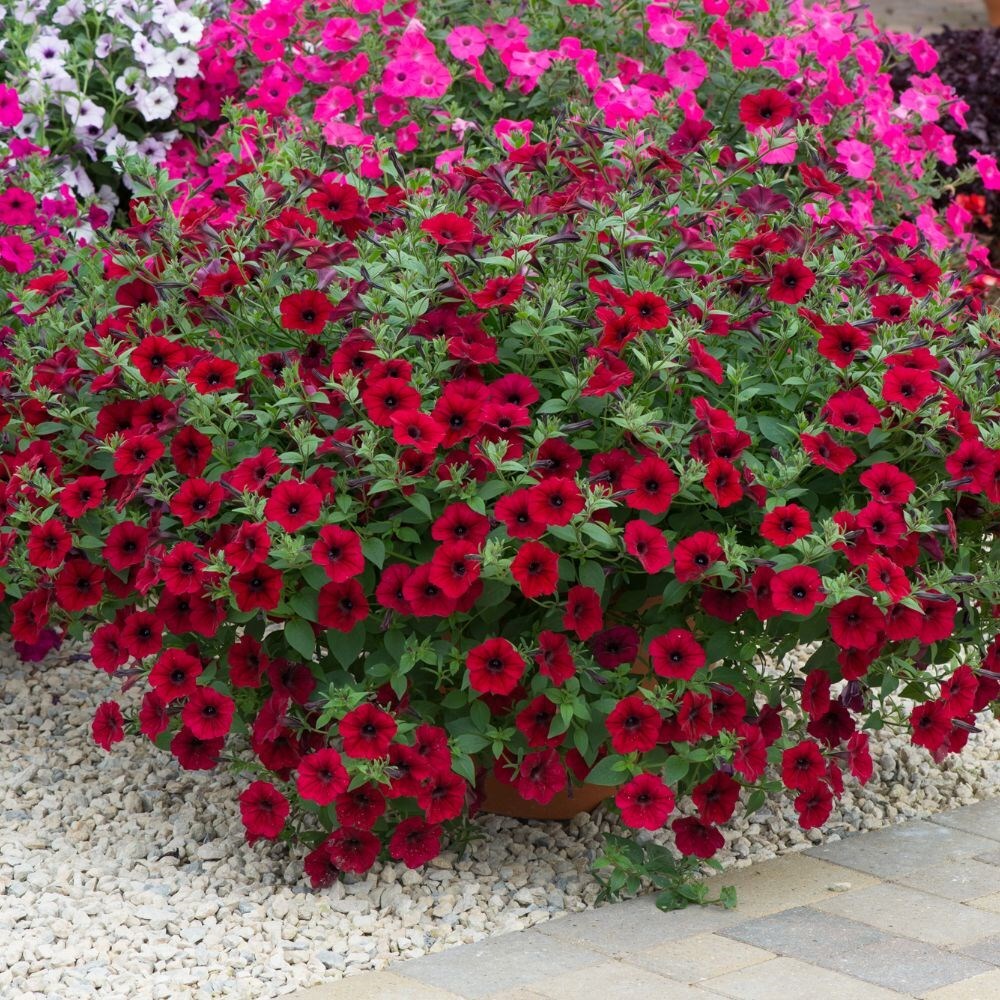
<point>989,902</point>
<point>703,956</point>
<point>794,980</point>
<point>965,879</point>
<point>375,986</point>
<point>984,987</point>
<point>614,981</point>
<point>897,909</point>
<point>791,880</point>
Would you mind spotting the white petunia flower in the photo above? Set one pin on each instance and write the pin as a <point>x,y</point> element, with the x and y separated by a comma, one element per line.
<point>69,13</point>
<point>186,28</point>
<point>155,104</point>
<point>184,62</point>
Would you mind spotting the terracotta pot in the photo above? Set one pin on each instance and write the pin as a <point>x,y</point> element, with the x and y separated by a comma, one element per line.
<point>993,12</point>
<point>503,800</point>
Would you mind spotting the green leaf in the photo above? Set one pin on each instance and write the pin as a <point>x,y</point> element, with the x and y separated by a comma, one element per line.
<point>591,574</point>
<point>299,635</point>
<point>756,801</point>
<point>607,771</point>
<point>346,648</point>
<point>675,769</point>
<point>422,504</point>
<point>374,551</point>
<point>304,604</point>
<point>462,765</point>
<point>479,713</point>
<point>774,430</point>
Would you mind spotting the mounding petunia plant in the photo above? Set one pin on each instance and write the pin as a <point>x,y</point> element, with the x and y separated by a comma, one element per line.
<point>388,481</point>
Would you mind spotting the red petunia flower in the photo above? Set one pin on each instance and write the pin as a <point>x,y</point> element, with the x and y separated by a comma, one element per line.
<point>213,375</point>
<point>293,504</point>
<point>258,586</point>
<point>716,798</point>
<point>157,358</point>
<point>583,614</point>
<point>137,454</point>
<point>765,109</point>
<point>888,483</point>
<point>175,674</point>
<point>696,839</point>
<point>107,651</point>
<point>83,494</point>
<point>634,725</point>
<point>264,811</point>
<point>891,308</point>
<point>556,500</point>
<point>48,543</point>
<point>932,723</point>
<point>790,281</point>
<point>194,754</point>
<point>856,623</point>
<point>413,429</point>
<point>338,551</point>
<point>415,842</point>
<point>802,766</point>
<point>78,585</point>
<point>142,634</point>
<point>495,667</point>
<point>841,343</point>
<point>367,732</point>
<point>196,500</point>
<point>208,713</point>
<point>442,796</point>
<point>384,398</point>
<point>696,555</point>
<point>424,598</point>
<point>249,547</point>
<point>353,850</point>
<point>677,655</point>
<point>498,292</point>
<point>458,522</point>
<point>535,568</point>
<point>785,525</point>
<point>851,411</point>
<point>541,777</point>
<point>191,451</point>
<point>319,865</point>
<point>646,311</point>
<point>515,511</point>
<point>814,805</point>
<point>342,605</point>
<point>652,485</point>
<point>797,590</point>
<point>108,726</point>
<point>554,659</point>
<point>307,311</point>
<point>448,229</point>
<point>885,576</point>
<point>723,482</point>
<point>154,715</point>
<point>908,387</point>
<point>648,545</point>
<point>823,450</point>
<point>535,720</point>
<point>360,807</point>
<point>322,776</point>
<point>645,802</point>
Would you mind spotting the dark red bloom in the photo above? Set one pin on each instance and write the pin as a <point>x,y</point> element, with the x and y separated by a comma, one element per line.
<point>208,713</point>
<point>353,850</point>
<point>797,590</point>
<point>696,555</point>
<point>648,545</point>
<point>888,483</point>
<point>764,109</point>
<point>360,807</point>
<point>367,732</point>
<point>823,450</point>
<point>48,543</point>
<point>338,551</point>
<point>856,623</point>
<point>633,724</point>
<point>264,810</point>
<point>541,777</point>
<point>342,605</point>
<point>108,726</point>
<point>790,281</point>
<point>307,311</point>
<point>652,485</point>
<point>196,500</point>
<point>851,411</point>
<point>293,504</point>
<point>931,724</point>
<point>646,311</point>
<point>442,796</point>
<point>583,614</point>
<point>716,798</point>
<point>175,674</point>
<point>696,839</point>
<point>556,500</point>
<point>554,658</point>
<point>645,802</point>
<point>723,482</point>
<point>495,667</point>
<point>415,842</point>
<point>78,585</point>
<point>535,720</point>
<point>258,586</point>
<point>676,655</point>
<point>785,525</point>
<point>802,766</point>
<point>536,570</point>
<point>194,754</point>
<point>191,451</point>
<point>213,375</point>
<point>814,805</point>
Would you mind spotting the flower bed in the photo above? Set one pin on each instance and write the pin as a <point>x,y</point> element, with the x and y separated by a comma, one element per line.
<point>378,481</point>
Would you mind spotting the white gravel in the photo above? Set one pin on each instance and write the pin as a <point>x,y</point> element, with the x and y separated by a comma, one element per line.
<point>123,876</point>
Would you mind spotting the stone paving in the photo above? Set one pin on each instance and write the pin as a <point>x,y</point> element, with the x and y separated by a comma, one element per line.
<point>907,911</point>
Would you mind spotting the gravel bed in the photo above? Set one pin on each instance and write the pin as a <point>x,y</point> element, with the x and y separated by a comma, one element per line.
<point>122,875</point>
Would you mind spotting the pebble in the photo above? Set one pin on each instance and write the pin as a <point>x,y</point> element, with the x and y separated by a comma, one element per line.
<point>123,875</point>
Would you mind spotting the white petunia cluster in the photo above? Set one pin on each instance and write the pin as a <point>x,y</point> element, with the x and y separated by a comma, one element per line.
<point>97,78</point>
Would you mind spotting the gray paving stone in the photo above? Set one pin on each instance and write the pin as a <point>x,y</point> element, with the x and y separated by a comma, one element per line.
<point>488,968</point>
<point>905,965</point>
<point>636,925</point>
<point>897,909</point>
<point>805,933</point>
<point>986,949</point>
<point>982,819</point>
<point>898,850</point>
<point>967,878</point>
